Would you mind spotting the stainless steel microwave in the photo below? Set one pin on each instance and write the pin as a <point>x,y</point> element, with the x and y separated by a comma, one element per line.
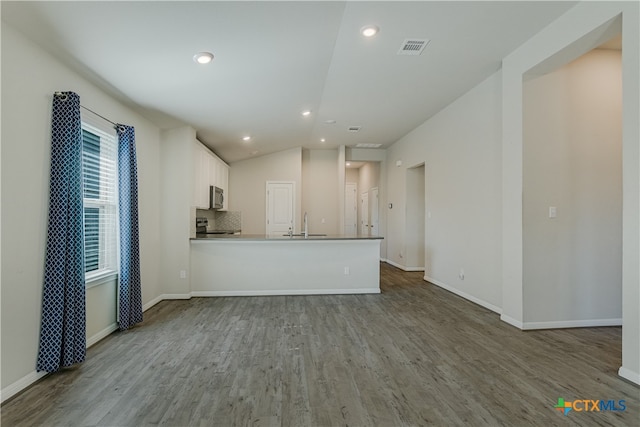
<point>216,197</point>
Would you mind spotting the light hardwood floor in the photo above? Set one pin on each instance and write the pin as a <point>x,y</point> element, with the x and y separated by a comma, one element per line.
<point>414,355</point>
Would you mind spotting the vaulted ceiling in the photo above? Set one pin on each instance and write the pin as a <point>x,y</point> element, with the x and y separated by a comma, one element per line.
<point>275,59</point>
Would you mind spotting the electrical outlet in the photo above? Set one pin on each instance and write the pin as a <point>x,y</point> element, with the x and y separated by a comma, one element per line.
<point>461,274</point>
<point>183,274</point>
<point>346,271</point>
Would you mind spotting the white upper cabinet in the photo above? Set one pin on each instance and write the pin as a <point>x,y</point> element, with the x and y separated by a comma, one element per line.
<point>200,176</point>
<point>222,181</point>
<point>208,170</point>
<point>213,170</point>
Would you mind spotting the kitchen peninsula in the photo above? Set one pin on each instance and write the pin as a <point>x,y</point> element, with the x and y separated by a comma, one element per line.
<point>244,265</point>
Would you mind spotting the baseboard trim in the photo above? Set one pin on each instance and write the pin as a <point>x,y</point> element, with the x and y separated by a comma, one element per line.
<point>176,296</point>
<point>256,293</point>
<point>465,295</point>
<point>102,334</point>
<point>403,267</point>
<point>395,264</point>
<point>24,382</point>
<point>32,377</point>
<point>513,322</point>
<point>151,303</point>
<point>563,324</point>
<point>629,375</point>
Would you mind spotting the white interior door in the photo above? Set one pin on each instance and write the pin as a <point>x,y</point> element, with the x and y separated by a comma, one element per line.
<point>375,222</point>
<point>280,211</point>
<point>364,214</point>
<point>351,208</point>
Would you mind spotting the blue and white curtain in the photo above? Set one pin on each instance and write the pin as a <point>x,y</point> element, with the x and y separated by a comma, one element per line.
<point>62,330</point>
<point>129,288</point>
<point>63,322</point>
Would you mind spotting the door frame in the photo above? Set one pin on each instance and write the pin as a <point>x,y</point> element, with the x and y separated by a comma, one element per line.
<point>355,205</point>
<point>364,196</point>
<point>374,194</point>
<point>293,204</point>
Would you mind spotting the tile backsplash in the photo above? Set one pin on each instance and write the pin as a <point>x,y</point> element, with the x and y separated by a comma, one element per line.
<point>228,220</point>
<point>221,220</point>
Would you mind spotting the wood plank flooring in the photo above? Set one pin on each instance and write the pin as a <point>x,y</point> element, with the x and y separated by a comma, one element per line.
<point>414,355</point>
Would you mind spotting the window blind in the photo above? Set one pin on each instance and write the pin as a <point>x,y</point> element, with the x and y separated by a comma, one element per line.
<point>99,168</point>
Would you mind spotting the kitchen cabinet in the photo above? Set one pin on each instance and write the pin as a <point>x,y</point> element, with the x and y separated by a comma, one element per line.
<point>209,170</point>
<point>213,170</point>
<point>200,176</point>
<point>222,181</point>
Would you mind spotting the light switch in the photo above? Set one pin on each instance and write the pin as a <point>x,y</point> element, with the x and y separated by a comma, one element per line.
<point>553,212</point>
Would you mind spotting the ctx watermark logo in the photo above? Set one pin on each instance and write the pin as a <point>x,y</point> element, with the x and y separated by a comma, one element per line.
<point>590,405</point>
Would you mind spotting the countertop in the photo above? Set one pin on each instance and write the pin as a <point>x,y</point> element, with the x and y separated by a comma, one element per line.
<point>263,237</point>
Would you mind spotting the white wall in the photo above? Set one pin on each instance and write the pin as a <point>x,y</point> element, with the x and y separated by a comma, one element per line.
<point>351,175</point>
<point>29,78</point>
<point>573,161</point>
<point>177,211</point>
<point>101,310</point>
<point>460,147</point>
<point>368,176</point>
<point>576,32</point>
<point>247,186</point>
<point>416,217</point>
<point>319,191</point>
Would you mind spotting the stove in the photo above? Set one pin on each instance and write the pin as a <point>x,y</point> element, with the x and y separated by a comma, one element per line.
<point>203,223</point>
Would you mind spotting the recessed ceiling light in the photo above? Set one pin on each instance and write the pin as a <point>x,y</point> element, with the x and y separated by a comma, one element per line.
<point>322,140</point>
<point>203,57</point>
<point>246,138</point>
<point>348,164</point>
<point>306,113</point>
<point>369,30</point>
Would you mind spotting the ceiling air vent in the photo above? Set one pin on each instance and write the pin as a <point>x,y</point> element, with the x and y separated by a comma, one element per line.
<point>368,145</point>
<point>354,128</point>
<point>413,47</point>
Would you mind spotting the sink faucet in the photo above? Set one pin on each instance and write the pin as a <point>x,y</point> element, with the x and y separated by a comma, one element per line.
<point>305,233</point>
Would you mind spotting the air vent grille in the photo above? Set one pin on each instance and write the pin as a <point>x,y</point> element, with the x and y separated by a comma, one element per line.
<point>413,46</point>
<point>354,128</point>
<point>368,145</point>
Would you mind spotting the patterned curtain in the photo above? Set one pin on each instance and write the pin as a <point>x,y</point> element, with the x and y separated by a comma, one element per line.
<point>62,329</point>
<point>129,288</point>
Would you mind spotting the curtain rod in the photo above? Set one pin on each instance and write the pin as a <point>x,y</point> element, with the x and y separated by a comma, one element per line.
<point>117,125</point>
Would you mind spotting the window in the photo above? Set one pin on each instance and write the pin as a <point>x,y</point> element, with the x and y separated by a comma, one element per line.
<point>99,163</point>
